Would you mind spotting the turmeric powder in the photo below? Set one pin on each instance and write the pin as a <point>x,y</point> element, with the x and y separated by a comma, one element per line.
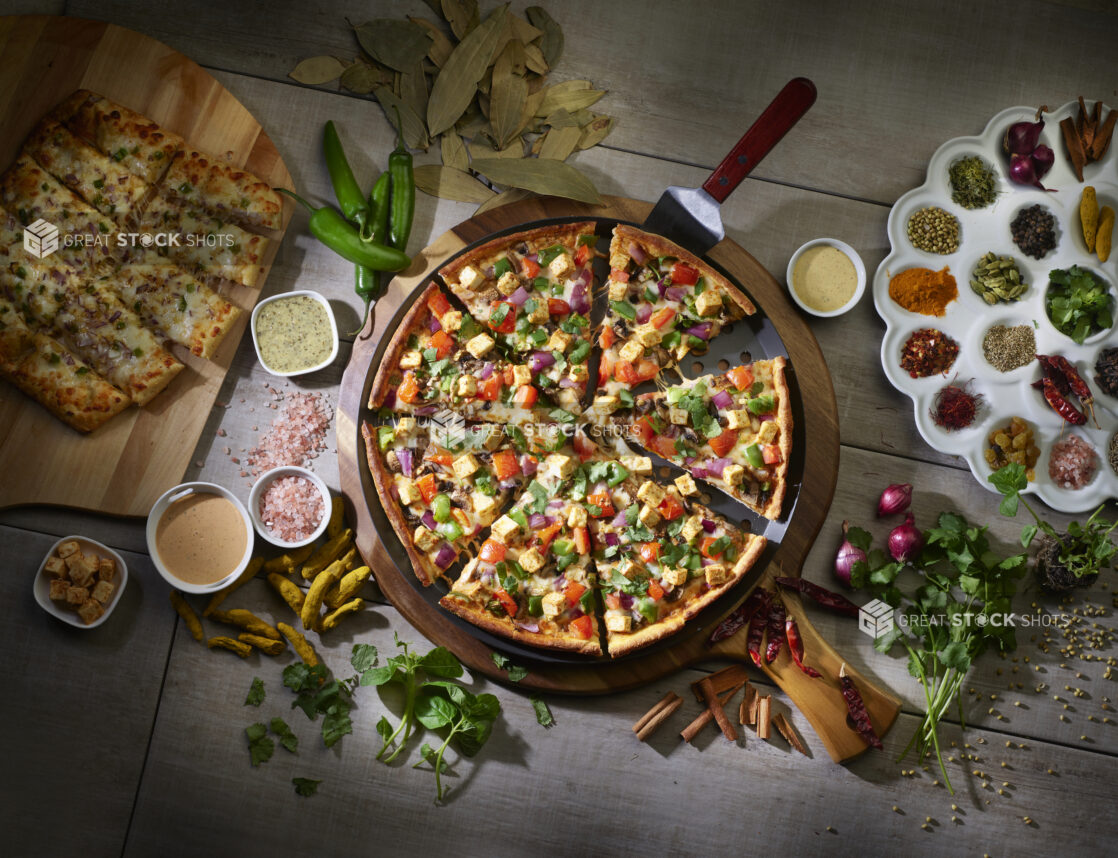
<point>924,291</point>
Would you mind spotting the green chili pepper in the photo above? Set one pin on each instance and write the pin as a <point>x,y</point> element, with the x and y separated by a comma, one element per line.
<point>368,283</point>
<point>333,230</point>
<point>350,198</point>
<point>378,206</point>
<point>403,192</point>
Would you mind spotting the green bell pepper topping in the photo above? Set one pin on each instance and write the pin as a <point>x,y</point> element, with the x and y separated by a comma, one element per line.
<point>753,453</point>
<point>385,436</point>
<point>535,606</point>
<point>440,507</point>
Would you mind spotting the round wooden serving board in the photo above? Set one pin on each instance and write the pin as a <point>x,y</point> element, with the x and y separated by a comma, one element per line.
<point>124,466</point>
<point>819,699</point>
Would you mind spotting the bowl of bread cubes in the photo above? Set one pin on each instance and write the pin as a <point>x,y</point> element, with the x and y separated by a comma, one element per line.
<point>80,581</point>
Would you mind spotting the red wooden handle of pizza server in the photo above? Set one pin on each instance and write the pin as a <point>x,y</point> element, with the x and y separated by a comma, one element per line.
<point>783,112</point>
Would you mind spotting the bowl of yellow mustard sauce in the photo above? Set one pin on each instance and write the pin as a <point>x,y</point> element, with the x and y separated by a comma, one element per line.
<point>826,277</point>
<point>294,333</point>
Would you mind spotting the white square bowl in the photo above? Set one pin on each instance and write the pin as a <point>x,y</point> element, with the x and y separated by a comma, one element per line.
<point>41,586</point>
<point>329,315</point>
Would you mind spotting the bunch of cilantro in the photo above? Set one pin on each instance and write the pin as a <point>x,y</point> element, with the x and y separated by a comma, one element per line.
<point>1078,303</point>
<point>953,615</point>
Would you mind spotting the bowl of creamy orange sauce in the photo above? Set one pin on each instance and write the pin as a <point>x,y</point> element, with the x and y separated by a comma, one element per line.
<point>200,537</point>
<point>826,277</point>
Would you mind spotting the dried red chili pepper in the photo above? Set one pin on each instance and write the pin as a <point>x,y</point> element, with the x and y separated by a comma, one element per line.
<point>1059,402</point>
<point>738,619</point>
<point>776,631</point>
<point>826,598</point>
<point>857,709</point>
<point>796,647</point>
<point>1060,369</point>
<point>757,628</point>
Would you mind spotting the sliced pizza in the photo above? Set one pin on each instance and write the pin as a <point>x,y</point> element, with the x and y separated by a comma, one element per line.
<point>533,580</point>
<point>89,320</point>
<point>175,304</point>
<point>202,244</point>
<point>49,373</point>
<point>664,302</point>
<point>442,358</point>
<point>441,485</point>
<point>85,170</point>
<point>129,138</point>
<point>661,556</point>
<point>732,430</point>
<point>225,191</point>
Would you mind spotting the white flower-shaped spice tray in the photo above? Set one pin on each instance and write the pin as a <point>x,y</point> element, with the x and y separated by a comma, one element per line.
<point>968,318</point>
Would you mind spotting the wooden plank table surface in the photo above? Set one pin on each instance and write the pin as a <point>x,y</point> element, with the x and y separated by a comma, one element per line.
<point>128,739</point>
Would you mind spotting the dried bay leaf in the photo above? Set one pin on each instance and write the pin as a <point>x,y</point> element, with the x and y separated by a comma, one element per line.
<point>530,104</point>
<point>454,151</point>
<point>523,31</point>
<point>552,42</point>
<point>534,60</point>
<point>414,133</point>
<point>595,131</point>
<point>515,149</point>
<point>451,184</point>
<point>317,70</point>
<point>397,44</point>
<point>413,90</point>
<point>554,178</point>
<point>568,98</point>
<point>456,84</point>
<point>512,195</point>
<point>362,78</point>
<point>441,47</point>
<point>508,94</point>
<point>561,118</point>
<point>462,15</point>
<point>559,143</point>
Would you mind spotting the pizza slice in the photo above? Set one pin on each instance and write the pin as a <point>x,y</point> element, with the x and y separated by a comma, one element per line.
<point>132,140</point>
<point>175,304</point>
<point>664,302</point>
<point>203,244</point>
<point>223,190</point>
<point>85,170</point>
<point>441,485</point>
<point>533,581</point>
<point>732,430</point>
<point>661,556</point>
<point>442,358</point>
<point>48,372</point>
<point>31,193</point>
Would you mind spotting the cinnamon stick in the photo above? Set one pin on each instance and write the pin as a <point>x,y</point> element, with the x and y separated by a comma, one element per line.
<point>789,733</point>
<point>655,710</point>
<point>753,698</point>
<point>664,713</point>
<point>693,729</point>
<point>707,687</point>
<point>764,715</point>
<point>722,680</point>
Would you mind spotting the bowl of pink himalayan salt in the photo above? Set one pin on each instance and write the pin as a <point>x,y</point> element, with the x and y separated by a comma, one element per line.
<point>289,506</point>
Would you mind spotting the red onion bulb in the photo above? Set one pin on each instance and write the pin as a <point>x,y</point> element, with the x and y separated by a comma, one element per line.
<point>894,499</point>
<point>905,540</point>
<point>848,554</point>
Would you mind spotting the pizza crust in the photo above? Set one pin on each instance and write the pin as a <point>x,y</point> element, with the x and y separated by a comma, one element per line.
<point>784,418</point>
<point>396,347</point>
<point>623,645</point>
<point>506,629</point>
<point>425,570</point>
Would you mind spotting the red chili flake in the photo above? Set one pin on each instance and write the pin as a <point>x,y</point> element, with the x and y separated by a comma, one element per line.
<point>955,406</point>
<point>928,351</point>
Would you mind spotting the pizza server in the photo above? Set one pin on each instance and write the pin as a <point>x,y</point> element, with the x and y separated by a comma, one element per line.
<point>692,216</point>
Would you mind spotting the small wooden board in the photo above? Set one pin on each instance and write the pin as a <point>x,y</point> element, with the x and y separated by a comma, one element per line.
<point>818,699</point>
<point>123,467</point>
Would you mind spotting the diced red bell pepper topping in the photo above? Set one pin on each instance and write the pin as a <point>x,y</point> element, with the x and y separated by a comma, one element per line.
<point>442,343</point>
<point>493,551</point>
<point>582,255</point>
<point>508,324</point>
<point>490,388</point>
<point>505,464</point>
<point>557,307</point>
<point>573,591</point>
<point>526,396</point>
<point>427,486</point>
<point>724,443</point>
<point>438,304</point>
<point>655,591</point>
<point>650,551</point>
<point>670,509</point>
<point>529,267</point>
<point>684,275</point>
<point>603,502</point>
<point>408,391</point>
<point>770,453</point>
<point>583,626</point>
<point>662,317</point>
<point>741,377</point>
<point>507,601</point>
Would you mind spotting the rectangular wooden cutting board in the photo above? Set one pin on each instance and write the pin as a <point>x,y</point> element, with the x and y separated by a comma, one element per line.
<point>125,465</point>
